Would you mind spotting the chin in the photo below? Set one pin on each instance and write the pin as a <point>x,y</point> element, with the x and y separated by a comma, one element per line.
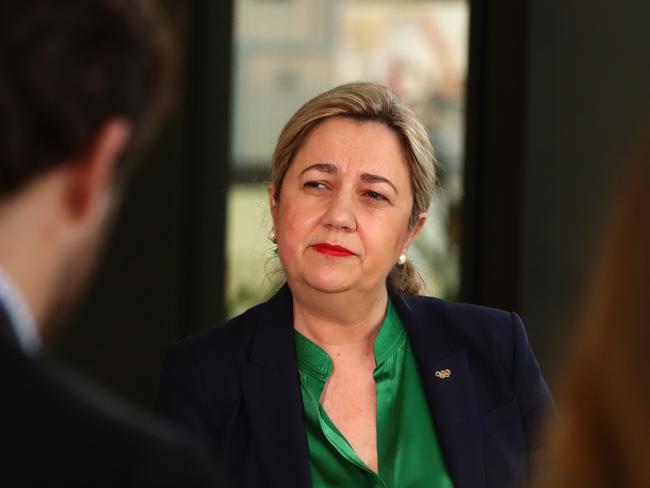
<point>329,282</point>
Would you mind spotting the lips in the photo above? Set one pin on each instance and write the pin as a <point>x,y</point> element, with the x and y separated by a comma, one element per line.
<point>332,250</point>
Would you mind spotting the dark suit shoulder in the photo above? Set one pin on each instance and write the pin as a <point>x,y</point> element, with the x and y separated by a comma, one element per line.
<point>60,429</point>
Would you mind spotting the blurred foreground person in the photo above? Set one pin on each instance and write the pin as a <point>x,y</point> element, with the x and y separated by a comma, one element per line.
<point>80,80</point>
<point>601,439</point>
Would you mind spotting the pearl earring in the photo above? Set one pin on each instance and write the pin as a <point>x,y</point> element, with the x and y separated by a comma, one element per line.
<point>271,235</point>
<point>402,259</point>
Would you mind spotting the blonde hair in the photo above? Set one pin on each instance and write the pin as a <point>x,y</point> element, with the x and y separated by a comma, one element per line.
<point>373,103</point>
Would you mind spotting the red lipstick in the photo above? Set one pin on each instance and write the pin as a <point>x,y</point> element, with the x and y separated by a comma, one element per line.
<point>332,250</point>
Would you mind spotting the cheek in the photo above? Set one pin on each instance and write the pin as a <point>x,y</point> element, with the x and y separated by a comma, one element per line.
<point>293,230</point>
<point>379,258</point>
<point>382,238</point>
<point>289,239</point>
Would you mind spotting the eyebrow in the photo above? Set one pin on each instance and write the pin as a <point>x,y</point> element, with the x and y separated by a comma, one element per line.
<point>324,167</point>
<point>370,178</point>
<point>367,177</point>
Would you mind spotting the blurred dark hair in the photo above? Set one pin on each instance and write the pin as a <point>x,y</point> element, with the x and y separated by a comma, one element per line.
<point>66,67</point>
<point>602,435</point>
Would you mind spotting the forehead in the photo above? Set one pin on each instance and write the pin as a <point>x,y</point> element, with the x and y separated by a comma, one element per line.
<point>354,146</point>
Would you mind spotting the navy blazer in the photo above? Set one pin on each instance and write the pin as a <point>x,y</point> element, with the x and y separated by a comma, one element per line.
<point>237,388</point>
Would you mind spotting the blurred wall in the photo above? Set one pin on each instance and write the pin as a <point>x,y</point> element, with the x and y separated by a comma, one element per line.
<point>558,97</point>
<point>588,93</point>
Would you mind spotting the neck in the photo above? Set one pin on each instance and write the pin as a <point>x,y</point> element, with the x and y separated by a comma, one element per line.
<point>346,319</point>
<point>26,252</point>
<point>27,277</point>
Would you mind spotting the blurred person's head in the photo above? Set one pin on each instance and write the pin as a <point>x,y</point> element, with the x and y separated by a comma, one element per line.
<point>353,168</point>
<point>81,85</point>
<point>602,434</point>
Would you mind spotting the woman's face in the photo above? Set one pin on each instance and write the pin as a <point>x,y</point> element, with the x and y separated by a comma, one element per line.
<point>342,218</point>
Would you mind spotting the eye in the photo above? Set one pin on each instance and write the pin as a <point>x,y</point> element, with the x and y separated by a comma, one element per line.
<point>317,185</point>
<point>373,195</point>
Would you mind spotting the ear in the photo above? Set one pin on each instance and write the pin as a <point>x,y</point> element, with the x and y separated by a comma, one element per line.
<point>417,228</point>
<point>91,175</point>
<point>273,203</point>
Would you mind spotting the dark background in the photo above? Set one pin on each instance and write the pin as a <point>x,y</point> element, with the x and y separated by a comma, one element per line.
<point>557,101</point>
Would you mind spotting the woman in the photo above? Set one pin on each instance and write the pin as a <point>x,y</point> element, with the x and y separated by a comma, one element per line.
<point>602,437</point>
<point>347,377</point>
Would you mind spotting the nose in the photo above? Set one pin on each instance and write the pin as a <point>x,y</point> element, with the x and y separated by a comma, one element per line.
<point>341,212</point>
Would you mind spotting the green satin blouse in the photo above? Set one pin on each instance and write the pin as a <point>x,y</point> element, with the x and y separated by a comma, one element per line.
<point>407,446</point>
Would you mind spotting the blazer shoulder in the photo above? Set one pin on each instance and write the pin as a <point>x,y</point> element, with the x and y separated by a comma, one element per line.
<point>219,350</point>
<point>491,334</point>
<point>228,340</point>
<point>476,319</point>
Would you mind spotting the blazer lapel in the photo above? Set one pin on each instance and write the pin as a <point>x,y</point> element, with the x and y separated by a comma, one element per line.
<point>448,385</point>
<point>271,388</point>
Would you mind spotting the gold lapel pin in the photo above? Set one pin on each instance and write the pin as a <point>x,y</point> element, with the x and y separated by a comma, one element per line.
<point>443,374</point>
